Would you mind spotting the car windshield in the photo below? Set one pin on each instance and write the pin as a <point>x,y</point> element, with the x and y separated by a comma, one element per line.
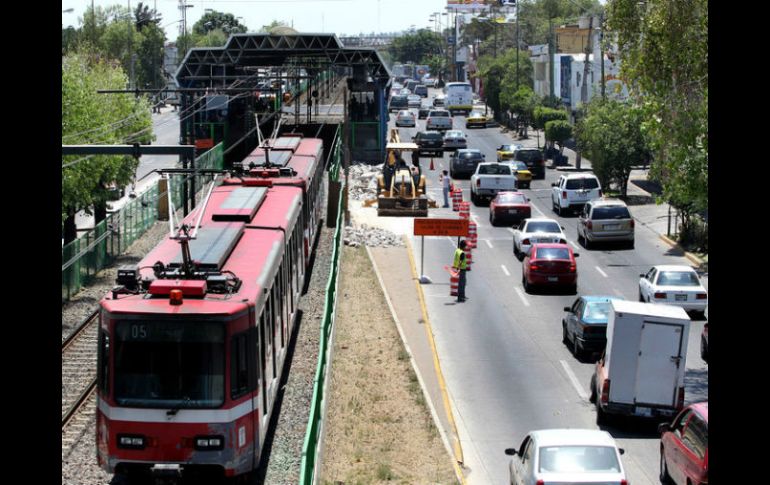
<point>506,148</point>
<point>546,226</point>
<point>578,459</point>
<point>511,199</point>
<point>165,363</point>
<point>582,183</point>
<point>678,278</point>
<point>615,212</point>
<point>552,253</point>
<point>475,114</point>
<point>494,170</point>
<point>529,155</point>
<point>597,311</point>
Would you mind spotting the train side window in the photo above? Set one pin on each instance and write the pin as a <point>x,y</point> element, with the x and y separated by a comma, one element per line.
<point>104,359</point>
<point>262,360</point>
<point>239,365</point>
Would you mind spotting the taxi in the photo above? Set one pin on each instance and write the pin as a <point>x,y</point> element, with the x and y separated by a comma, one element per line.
<point>523,175</point>
<point>476,119</point>
<point>505,152</point>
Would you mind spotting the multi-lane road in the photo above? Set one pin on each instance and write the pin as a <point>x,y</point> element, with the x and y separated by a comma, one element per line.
<point>501,352</point>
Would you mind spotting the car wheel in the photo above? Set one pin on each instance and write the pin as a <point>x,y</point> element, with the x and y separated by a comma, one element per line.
<point>592,398</point>
<point>515,250</point>
<point>524,283</point>
<point>564,336</point>
<point>579,237</point>
<point>665,478</point>
<point>631,244</point>
<point>586,242</point>
<point>491,219</point>
<point>641,298</point>
<point>560,210</point>
<point>573,289</point>
<point>601,416</point>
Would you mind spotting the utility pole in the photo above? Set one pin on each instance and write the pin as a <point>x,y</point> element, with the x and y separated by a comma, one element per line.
<point>131,79</point>
<point>550,55</point>
<point>517,45</point>
<point>601,52</point>
<point>584,87</point>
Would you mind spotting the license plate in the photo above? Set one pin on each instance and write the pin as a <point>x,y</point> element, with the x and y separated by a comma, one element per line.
<point>642,411</point>
<point>513,211</point>
<point>553,278</point>
<point>681,297</point>
<point>612,227</point>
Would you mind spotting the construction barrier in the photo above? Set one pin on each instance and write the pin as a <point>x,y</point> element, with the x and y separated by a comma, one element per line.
<point>454,284</point>
<point>472,236</point>
<point>457,198</point>
<point>465,210</point>
<point>468,258</point>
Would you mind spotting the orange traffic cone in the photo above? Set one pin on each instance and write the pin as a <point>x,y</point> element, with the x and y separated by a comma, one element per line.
<point>431,164</point>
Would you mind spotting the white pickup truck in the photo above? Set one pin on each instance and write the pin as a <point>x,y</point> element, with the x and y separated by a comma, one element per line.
<point>489,179</point>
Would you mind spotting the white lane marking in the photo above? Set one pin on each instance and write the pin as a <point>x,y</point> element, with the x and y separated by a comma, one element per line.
<point>534,207</point>
<point>505,270</point>
<point>574,245</point>
<point>573,379</point>
<point>601,272</point>
<point>475,218</point>
<point>489,243</point>
<point>521,295</point>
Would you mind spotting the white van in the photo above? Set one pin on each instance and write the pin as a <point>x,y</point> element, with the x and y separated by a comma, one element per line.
<point>642,370</point>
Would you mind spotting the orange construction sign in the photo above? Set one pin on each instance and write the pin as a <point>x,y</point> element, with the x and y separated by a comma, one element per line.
<point>440,227</point>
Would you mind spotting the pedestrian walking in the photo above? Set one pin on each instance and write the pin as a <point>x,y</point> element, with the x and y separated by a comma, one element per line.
<point>459,264</point>
<point>444,179</point>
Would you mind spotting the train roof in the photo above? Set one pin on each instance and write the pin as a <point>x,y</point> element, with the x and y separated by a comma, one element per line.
<point>250,247</point>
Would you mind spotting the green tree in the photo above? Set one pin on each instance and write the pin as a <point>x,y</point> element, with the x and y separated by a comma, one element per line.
<point>611,136</point>
<point>416,47</point>
<point>663,46</point>
<point>544,114</point>
<point>522,103</point>
<point>90,118</point>
<point>266,29</point>
<point>145,17</point>
<point>558,131</point>
<point>226,22</point>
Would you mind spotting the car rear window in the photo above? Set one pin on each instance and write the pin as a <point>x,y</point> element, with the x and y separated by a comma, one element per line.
<point>678,278</point>
<point>519,166</point>
<point>543,227</point>
<point>469,155</point>
<point>552,253</point>
<point>511,199</point>
<point>597,311</point>
<point>430,136</point>
<point>578,459</point>
<point>616,212</point>
<point>439,113</point>
<point>582,183</point>
<point>529,155</point>
<point>494,170</point>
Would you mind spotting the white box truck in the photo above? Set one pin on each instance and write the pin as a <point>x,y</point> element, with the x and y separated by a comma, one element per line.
<point>642,370</point>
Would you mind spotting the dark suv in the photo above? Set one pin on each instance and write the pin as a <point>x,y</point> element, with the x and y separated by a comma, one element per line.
<point>430,142</point>
<point>397,103</point>
<point>464,162</point>
<point>534,160</point>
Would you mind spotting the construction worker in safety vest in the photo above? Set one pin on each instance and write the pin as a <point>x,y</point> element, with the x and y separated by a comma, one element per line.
<point>460,265</point>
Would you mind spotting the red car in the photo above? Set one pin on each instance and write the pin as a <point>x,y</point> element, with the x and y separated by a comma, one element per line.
<point>550,264</point>
<point>509,206</point>
<point>684,447</point>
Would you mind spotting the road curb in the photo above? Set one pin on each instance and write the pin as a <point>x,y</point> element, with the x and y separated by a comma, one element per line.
<point>693,258</point>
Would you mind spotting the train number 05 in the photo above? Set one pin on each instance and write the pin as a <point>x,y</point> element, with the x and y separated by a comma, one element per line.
<point>138,331</point>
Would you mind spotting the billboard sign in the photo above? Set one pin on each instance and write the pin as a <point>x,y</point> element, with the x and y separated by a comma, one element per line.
<point>440,227</point>
<point>469,5</point>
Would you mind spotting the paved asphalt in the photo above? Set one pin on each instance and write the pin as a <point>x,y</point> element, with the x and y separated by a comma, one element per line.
<point>505,365</point>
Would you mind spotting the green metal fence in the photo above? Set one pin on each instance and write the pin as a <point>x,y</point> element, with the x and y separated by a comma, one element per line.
<point>84,257</point>
<point>312,435</point>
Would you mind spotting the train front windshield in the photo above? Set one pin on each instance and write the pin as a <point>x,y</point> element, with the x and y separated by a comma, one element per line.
<point>171,364</point>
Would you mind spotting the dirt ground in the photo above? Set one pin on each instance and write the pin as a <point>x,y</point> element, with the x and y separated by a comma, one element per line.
<point>378,426</point>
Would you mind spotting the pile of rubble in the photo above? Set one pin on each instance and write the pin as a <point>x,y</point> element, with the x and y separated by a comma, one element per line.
<point>370,236</point>
<point>362,180</point>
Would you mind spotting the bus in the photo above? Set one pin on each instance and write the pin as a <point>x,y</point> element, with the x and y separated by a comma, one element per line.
<point>459,97</point>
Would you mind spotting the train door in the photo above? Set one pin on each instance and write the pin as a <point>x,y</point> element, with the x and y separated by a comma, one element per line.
<point>263,367</point>
<point>243,383</point>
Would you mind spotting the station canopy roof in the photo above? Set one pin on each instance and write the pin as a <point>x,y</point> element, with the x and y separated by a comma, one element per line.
<point>239,59</point>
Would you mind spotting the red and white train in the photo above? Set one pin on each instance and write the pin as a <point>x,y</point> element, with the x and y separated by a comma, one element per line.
<point>192,346</point>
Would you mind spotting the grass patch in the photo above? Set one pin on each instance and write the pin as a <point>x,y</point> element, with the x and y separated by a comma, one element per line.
<point>384,472</point>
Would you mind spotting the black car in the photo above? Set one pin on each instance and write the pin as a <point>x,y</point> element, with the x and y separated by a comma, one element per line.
<point>464,162</point>
<point>430,142</point>
<point>534,160</point>
<point>423,113</point>
<point>584,327</point>
<point>397,103</point>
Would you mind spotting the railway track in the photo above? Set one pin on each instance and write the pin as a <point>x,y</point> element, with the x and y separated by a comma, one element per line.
<point>78,367</point>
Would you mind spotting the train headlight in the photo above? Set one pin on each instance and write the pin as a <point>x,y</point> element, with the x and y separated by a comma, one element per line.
<point>208,443</point>
<point>131,442</point>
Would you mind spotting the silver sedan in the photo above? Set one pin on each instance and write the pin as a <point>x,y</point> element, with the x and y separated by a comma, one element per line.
<point>454,139</point>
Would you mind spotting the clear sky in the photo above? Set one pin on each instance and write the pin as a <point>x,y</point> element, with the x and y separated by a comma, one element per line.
<point>327,16</point>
